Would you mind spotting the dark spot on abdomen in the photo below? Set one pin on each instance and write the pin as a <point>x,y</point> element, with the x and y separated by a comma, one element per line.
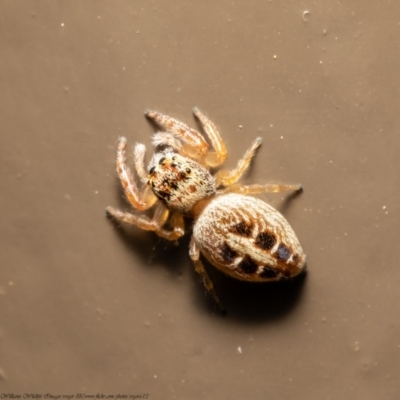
<point>283,252</point>
<point>228,254</point>
<point>268,272</point>
<point>242,229</point>
<point>248,265</point>
<point>265,240</point>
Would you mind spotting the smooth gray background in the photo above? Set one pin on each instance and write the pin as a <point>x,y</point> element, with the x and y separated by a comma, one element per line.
<point>87,307</point>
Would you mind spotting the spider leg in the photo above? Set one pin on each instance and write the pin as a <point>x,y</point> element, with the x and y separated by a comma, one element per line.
<point>217,157</point>
<point>139,201</point>
<point>155,224</point>
<point>194,254</point>
<point>169,140</point>
<point>268,188</point>
<point>178,224</point>
<point>228,178</point>
<point>195,147</point>
<point>138,156</point>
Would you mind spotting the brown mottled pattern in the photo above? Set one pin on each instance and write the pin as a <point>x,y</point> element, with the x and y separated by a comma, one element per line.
<point>180,182</point>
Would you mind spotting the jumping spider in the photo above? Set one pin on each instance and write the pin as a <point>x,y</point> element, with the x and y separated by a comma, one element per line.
<point>239,234</point>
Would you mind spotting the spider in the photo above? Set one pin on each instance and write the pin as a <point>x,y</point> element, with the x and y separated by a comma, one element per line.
<point>239,234</point>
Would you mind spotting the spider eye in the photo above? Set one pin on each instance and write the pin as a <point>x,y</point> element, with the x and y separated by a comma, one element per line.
<point>188,171</point>
<point>161,160</point>
<point>173,158</point>
<point>152,169</point>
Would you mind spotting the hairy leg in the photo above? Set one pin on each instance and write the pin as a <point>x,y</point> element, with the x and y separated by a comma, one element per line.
<point>217,157</point>
<point>155,224</point>
<point>268,188</point>
<point>228,178</point>
<point>196,146</point>
<point>169,140</point>
<point>139,201</point>
<point>194,254</point>
<point>139,152</point>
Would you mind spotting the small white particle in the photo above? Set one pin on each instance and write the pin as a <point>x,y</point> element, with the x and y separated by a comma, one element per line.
<point>240,126</point>
<point>384,208</point>
<point>62,24</point>
<point>239,349</point>
<point>155,376</point>
<point>306,14</point>
<point>275,56</point>
<point>281,137</point>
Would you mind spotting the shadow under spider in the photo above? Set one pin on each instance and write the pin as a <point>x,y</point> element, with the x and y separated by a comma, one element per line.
<point>251,301</point>
<point>153,250</point>
<point>286,203</point>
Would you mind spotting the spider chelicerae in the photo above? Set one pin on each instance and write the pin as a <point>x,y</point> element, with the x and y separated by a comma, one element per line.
<point>239,234</point>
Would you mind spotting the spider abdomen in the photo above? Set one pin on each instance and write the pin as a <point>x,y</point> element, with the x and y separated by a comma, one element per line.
<point>248,239</point>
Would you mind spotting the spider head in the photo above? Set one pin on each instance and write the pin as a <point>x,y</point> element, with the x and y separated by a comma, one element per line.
<point>179,182</point>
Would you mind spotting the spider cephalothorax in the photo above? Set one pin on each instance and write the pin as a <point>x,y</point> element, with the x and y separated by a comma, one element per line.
<point>179,181</point>
<point>241,235</point>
